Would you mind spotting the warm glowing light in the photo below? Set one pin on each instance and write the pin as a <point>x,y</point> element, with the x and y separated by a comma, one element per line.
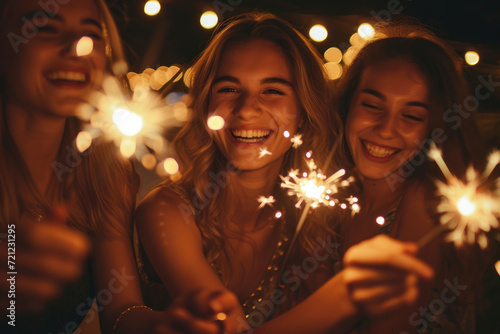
<point>188,77</point>
<point>286,134</point>
<point>84,46</point>
<point>380,220</point>
<point>334,70</point>
<point>350,54</point>
<point>152,7</point>
<point>221,316</point>
<point>263,152</point>
<point>333,55</point>
<point>467,210</point>
<point>180,111</point>
<point>297,141</point>
<point>465,206</point>
<point>356,40</point>
<point>265,201</point>
<point>311,190</point>
<point>318,33</point>
<point>171,166</point>
<point>355,207</point>
<point>309,155</point>
<point>149,161</point>
<point>128,122</point>
<point>127,147</point>
<point>497,267</point>
<point>83,141</point>
<point>278,215</point>
<point>343,206</point>
<point>209,20</point>
<point>215,122</point>
<point>471,57</point>
<point>366,31</point>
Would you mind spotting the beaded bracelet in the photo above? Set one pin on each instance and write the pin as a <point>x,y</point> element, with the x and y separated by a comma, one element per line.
<point>125,311</point>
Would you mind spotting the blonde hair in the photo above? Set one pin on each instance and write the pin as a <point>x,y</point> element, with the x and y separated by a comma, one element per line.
<point>199,155</point>
<point>99,186</point>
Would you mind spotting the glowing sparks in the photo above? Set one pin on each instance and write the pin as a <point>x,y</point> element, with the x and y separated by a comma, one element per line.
<point>266,201</point>
<point>263,152</point>
<point>468,211</point>
<point>171,166</point>
<point>134,123</point>
<point>296,141</point>
<point>497,267</point>
<point>278,214</point>
<point>286,134</point>
<point>314,187</point>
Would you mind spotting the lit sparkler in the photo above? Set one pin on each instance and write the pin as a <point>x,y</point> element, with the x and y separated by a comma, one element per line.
<point>467,211</point>
<point>315,189</point>
<point>135,123</point>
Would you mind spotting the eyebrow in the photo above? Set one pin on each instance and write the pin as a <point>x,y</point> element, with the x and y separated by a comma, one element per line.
<point>381,96</point>
<point>54,16</point>
<point>263,81</point>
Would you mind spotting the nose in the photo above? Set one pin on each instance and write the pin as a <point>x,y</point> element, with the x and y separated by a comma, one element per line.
<point>386,126</point>
<point>248,107</point>
<point>69,45</point>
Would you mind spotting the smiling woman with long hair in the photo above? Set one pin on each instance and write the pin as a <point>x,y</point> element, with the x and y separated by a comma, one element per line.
<point>56,200</point>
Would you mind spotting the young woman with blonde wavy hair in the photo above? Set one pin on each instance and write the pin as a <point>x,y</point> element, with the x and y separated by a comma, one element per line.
<point>206,229</point>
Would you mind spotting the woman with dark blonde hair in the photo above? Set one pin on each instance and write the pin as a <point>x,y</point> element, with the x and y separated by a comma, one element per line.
<point>397,96</point>
<point>206,229</point>
<point>55,202</point>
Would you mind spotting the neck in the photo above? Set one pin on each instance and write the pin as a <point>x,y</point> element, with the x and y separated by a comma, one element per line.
<point>381,193</point>
<point>246,188</point>
<point>38,138</point>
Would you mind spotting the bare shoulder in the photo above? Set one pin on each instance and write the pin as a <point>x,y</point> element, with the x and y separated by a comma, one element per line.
<point>164,207</point>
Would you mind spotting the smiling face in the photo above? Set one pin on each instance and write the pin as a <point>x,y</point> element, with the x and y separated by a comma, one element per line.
<point>388,117</point>
<point>43,72</point>
<point>253,92</point>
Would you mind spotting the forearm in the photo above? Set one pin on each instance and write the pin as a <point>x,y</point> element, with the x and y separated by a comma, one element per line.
<point>326,310</point>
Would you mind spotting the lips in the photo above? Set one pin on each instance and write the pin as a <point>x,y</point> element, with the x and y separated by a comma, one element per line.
<point>250,135</point>
<point>378,152</point>
<point>76,78</point>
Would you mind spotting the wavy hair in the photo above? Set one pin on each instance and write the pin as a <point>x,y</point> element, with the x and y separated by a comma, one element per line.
<point>405,39</point>
<point>196,149</point>
<point>98,186</point>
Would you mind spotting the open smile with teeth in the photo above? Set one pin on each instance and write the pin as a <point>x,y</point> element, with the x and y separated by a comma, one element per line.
<point>69,76</point>
<point>378,151</point>
<point>250,136</point>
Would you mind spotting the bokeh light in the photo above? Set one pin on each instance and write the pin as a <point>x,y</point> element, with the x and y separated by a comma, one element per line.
<point>333,55</point>
<point>366,31</point>
<point>380,220</point>
<point>83,141</point>
<point>171,166</point>
<point>84,46</point>
<point>215,122</point>
<point>209,20</point>
<point>152,7</point>
<point>334,70</point>
<point>471,57</point>
<point>356,40</point>
<point>128,122</point>
<point>318,33</point>
<point>149,161</point>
